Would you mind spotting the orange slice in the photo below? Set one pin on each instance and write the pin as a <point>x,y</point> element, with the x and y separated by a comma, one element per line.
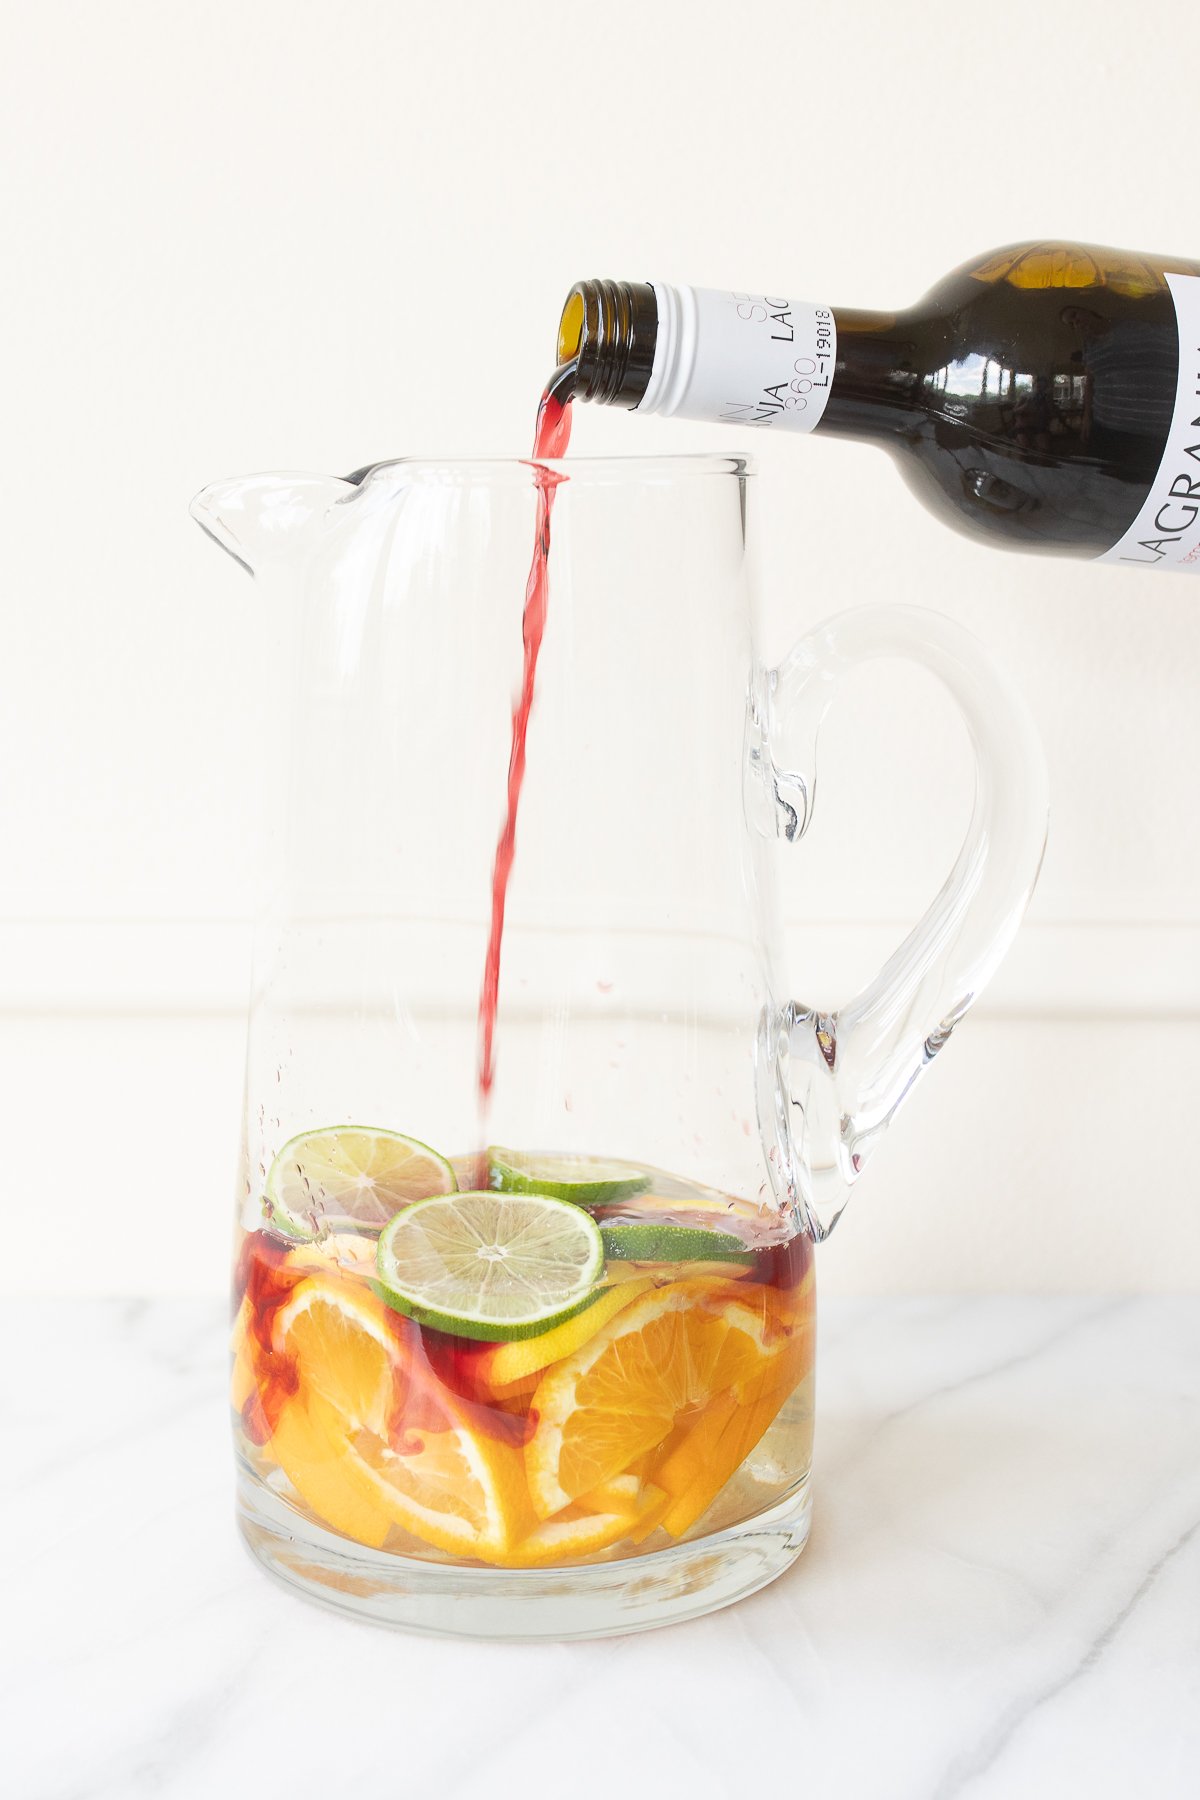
<point>456,1489</point>
<point>453,1489</point>
<point>702,1456</point>
<point>690,1450</point>
<point>344,1257</point>
<point>724,1449</point>
<point>578,1532</point>
<point>450,1489</point>
<point>372,1438</point>
<point>660,1360</point>
<point>343,1348</point>
<point>623,1494</point>
<point>309,1446</point>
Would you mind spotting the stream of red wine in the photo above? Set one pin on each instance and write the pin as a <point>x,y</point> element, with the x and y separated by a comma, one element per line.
<point>551,436</point>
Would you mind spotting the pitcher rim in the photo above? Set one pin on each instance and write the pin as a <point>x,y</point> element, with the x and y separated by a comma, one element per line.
<point>467,469</point>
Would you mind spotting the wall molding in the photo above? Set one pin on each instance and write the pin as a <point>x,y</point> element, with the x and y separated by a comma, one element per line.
<point>1055,970</point>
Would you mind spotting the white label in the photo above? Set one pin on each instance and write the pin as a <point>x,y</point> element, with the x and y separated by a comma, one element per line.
<point>1166,532</point>
<point>749,359</point>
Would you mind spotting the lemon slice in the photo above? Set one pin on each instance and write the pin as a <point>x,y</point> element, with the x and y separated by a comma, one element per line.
<point>350,1178</point>
<point>509,1365</point>
<point>584,1180</point>
<point>491,1266</point>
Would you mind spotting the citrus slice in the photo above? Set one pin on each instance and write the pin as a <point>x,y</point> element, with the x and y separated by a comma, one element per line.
<point>456,1489</point>
<point>513,1363</point>
<point>492,1266</point>
<point>623,1494</point>
<point>692,1447</point>
<point>343,1350</point>
<point>584,1180</point>
<point>672,1244</point>
<point>350,1177</point>
<point>371,1441</point>
<point>579,1531</point>
<point>451,1489</point>
<point>659,1362</point>
<point>724,1444</point>
<point>309,1447</point>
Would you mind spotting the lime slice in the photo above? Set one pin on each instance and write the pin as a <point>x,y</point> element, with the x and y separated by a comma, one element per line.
<point>350,1178</point>
<point>492,1266</point>
<point>672,1244</point>
<point>584,1180</point>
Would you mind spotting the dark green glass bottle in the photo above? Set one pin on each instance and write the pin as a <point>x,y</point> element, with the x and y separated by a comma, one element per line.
<point>1045,397</point>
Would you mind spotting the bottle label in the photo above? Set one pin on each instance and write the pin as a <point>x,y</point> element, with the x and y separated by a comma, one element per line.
<point>1166,532</point>
<point>744,359</point>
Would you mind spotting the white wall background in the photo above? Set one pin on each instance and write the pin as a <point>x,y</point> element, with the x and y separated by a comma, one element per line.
<point>273,233</point>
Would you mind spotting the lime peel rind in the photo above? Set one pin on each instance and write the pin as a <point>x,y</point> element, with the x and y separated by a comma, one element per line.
<point>582,1180</point>
<point>672,1244</point>
<point>307,1203</point>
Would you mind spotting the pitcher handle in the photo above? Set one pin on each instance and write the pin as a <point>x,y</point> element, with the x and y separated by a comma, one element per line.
<point>831,1082</point>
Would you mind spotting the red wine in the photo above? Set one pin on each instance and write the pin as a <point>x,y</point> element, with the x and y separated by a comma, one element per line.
<point>551,436</point>
<point>1045,397</point>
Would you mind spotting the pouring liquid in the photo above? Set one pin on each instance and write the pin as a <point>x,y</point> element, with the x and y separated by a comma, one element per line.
<point>551,438</point>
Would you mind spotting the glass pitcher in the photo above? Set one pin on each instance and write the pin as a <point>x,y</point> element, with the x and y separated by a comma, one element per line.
<point>538,1362</point>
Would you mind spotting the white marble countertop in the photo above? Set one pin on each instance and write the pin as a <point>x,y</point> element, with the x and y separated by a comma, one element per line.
<point>1001,1596</point>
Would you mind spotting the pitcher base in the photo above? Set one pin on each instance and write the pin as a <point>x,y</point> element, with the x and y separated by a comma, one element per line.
<point>591,1601</point>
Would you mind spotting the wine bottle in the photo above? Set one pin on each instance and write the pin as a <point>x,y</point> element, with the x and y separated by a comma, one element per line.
<point>1045,397</point>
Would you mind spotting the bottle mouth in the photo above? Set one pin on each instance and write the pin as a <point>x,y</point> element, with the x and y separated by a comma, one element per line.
<point>570,327</point>
<point>608,330</point>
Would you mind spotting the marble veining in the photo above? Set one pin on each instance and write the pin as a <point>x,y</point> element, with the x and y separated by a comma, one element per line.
<point>1001,1596</point>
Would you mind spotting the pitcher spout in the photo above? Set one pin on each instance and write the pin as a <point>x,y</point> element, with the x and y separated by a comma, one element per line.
<point>264,518</point>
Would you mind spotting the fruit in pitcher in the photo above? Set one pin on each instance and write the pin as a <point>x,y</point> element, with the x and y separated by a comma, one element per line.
<point>452,1488</point>
<point>582,1530</point>
<point>695,1473</point>
<point>673,1244</point>
<point>504,1378</point>
<point>344,1351</point>
<point>309,1446</point>
<point>657,1366</point>
<point>493,1266</point>
<point>512,1364</point>
<point>370,1440</point>
<point>584,1180</point>
<point>455,1489</point>
<point>350,1177</point>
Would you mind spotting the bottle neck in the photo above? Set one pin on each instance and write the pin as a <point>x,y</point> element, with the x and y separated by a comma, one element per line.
<point>875,392</point>
<point>739,359</point>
